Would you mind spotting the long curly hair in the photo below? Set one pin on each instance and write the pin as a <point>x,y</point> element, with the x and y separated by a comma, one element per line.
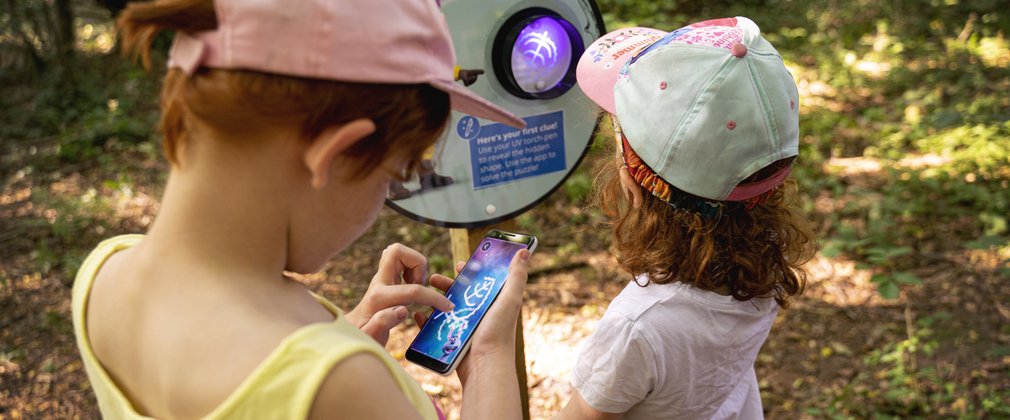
<point>745,253</point>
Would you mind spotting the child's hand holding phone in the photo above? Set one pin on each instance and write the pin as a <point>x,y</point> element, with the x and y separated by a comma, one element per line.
<point>487,292</point>
<point>497,334</point>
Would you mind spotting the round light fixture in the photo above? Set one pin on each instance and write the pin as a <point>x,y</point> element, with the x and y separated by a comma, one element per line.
<point>536,53</point>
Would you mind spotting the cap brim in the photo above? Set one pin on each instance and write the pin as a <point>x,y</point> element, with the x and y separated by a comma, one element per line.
<point>747,191</point>
<point>466,101</point>
<point>602,62</point>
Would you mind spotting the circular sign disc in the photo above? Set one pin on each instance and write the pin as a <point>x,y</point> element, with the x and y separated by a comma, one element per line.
<point>481,172</point>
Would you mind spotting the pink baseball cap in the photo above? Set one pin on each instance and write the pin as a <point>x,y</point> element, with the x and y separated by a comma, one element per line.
<point>365,41</point>
<point>600,64</point>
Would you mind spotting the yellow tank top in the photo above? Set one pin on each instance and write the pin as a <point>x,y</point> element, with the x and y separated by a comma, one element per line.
<point>283,386</point>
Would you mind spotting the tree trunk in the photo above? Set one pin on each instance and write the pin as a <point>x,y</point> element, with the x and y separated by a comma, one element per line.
<point>63,34</point>
<point>26,43</point>
<point>114,6</point>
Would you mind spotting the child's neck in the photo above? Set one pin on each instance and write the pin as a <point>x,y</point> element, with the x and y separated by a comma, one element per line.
<point>231,211</point>
<point>218,224</point>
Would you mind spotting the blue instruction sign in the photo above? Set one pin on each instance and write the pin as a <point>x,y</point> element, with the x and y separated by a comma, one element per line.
<point>500,153</point>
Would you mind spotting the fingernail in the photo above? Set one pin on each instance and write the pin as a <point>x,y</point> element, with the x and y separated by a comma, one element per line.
<point>452,306</point>
<point>524,255</point>
<point>401,312</point>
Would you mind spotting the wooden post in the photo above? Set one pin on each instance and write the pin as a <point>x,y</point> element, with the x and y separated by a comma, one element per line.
<point>463,242</point>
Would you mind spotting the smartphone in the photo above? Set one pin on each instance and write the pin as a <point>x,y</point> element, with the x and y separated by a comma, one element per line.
<point>445,338</point>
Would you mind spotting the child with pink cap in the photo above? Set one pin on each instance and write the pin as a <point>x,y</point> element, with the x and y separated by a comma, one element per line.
<point>285,123</point>
<point>706,127</point>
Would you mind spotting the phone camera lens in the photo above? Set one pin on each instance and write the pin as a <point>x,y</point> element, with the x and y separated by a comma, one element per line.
<point>486,246</point>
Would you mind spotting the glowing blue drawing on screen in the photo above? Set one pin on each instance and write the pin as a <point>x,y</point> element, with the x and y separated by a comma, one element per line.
<point>445,334</point>
<point>455,322</point>
<point>541,54</point>
<point>478,291</point>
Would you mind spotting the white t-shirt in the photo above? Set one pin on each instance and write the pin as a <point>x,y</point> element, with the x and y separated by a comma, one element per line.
<point>671,351</point>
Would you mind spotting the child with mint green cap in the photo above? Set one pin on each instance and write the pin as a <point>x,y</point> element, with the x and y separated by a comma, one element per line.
<point>706,123</point>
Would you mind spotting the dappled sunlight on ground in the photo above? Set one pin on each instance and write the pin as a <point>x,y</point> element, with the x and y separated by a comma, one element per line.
<point>838,281</point>
<point>817,94</point>
<point>862,165</point>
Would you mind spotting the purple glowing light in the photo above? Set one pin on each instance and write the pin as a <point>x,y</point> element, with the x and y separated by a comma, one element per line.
<point>541,55</point>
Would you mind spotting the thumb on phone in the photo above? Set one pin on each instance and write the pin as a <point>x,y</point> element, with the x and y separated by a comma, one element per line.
<point>512,291</point>
<point>497,331</point>
<point>510,301</point>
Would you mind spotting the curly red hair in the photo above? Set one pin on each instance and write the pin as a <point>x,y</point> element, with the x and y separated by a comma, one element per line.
<point>745,253</point>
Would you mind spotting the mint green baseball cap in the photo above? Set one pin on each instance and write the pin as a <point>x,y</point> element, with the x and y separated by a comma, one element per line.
<point>704,107</point>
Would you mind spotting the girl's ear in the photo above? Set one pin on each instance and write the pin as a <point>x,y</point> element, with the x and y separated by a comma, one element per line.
<point>318,157</point>
<point>631,187</point>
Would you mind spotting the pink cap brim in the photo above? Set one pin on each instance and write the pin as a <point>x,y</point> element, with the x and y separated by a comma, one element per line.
<point>317,38</point>
<point>467,102</point>
<point>747,191</point>
<point>602,62</point>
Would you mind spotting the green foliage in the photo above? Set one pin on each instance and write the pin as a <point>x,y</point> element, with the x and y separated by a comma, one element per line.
<point>11,355</point>
<point>69,220</point>
<point>441,264</point>
<point>568,249</point>
<point>987,242</point>
<point>102,126</point>
<point>578,186</point>
<point>34,34</point>
<point>528,223</point>
<point>111,108</point>
<point>57,323</point>
<point>671,14</point>
<point>888,284</point>
<point>981,150</point>
<point>900,381</point>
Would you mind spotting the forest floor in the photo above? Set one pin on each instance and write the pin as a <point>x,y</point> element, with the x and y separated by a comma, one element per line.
<point>826,354</point>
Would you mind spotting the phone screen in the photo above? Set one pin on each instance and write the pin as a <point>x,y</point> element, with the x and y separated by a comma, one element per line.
<point>446,333</point>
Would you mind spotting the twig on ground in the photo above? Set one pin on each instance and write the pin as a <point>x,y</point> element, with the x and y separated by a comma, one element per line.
<point>566,266</point>
<point>440,240</point>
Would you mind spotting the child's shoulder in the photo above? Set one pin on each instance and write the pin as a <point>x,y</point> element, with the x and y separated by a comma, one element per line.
<point>635,302</point>
<point>676,300</point>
